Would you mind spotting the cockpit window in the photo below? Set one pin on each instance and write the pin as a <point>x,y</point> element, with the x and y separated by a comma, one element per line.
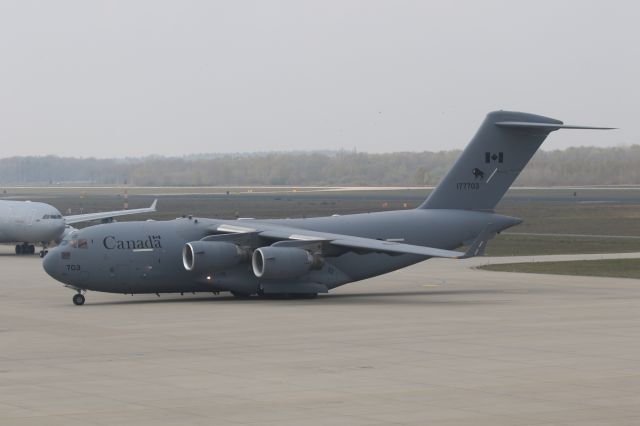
<point>52,216</point>
<point>78,243</point>
<point>71,236</point>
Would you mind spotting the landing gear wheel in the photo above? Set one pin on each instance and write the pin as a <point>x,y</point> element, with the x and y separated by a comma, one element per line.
<point>25,249</point>
<point>240,295</point>
<point>43,253</point>
<point>78,299</point>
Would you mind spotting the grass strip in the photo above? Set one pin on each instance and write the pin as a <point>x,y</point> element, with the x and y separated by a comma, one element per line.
<point>526,245</point>
<point>618,268</point>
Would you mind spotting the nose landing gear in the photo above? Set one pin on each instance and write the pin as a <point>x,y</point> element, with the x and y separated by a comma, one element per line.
<point>78,299</point>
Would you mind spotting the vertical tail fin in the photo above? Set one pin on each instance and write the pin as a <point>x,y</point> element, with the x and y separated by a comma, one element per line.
<point>494,158</point>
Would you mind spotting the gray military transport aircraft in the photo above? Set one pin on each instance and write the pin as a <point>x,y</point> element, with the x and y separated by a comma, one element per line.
<point>32,222</point>
<point>304,257</point>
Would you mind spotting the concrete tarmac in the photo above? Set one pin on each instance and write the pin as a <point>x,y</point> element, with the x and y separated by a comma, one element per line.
<point>436,343</point>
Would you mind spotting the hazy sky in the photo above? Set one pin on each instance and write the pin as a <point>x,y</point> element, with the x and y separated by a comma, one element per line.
<point>129,78</point>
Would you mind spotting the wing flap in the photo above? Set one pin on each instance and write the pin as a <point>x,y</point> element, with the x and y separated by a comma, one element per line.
<point>392,247</point>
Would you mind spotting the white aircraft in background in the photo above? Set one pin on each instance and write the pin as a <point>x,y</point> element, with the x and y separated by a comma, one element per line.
<point>28,222</point>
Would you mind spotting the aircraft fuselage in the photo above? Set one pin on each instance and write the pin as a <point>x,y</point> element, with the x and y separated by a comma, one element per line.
<point>26,221</point>
<point>147,257</point>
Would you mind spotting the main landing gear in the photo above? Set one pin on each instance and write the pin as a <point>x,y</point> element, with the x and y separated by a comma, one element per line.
<point>78,299</point>
<point>25,248</point>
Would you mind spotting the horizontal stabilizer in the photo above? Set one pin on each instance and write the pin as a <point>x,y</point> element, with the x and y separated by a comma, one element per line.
<point>546,126</point>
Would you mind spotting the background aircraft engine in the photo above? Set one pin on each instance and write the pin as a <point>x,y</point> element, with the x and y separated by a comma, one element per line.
<point>283,262</point>
<point>212,256</point>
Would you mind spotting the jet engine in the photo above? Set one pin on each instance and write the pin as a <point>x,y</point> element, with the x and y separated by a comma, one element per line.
<point>212,256</point>
<point>283,262</point>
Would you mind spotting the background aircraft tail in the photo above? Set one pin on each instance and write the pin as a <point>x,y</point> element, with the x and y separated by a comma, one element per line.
<point>494,158</point>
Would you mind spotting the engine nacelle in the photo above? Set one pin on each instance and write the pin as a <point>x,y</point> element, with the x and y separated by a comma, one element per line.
<point>212,256</point>
<point>283,262</point>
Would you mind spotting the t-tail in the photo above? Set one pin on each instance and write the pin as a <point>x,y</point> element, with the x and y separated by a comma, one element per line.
<point>494,158</point>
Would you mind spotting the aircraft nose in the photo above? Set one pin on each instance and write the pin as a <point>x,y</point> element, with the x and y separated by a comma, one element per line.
<point>51,263</point>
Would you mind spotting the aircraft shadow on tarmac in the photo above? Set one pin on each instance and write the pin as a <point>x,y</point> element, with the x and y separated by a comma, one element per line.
<point>382,298</point>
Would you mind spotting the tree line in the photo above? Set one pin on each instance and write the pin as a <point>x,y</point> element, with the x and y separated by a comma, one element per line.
<point>572,166</point>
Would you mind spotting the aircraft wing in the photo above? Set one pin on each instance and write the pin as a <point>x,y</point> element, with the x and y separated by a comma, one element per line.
<point>401,248</point>
<point>107,215</point>
<point>298,236</point>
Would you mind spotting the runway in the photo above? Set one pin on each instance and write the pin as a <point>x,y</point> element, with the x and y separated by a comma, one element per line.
<point>436,343</point>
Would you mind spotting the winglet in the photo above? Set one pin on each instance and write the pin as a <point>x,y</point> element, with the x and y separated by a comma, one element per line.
<point>480,244</point>
<point>153,205</point>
